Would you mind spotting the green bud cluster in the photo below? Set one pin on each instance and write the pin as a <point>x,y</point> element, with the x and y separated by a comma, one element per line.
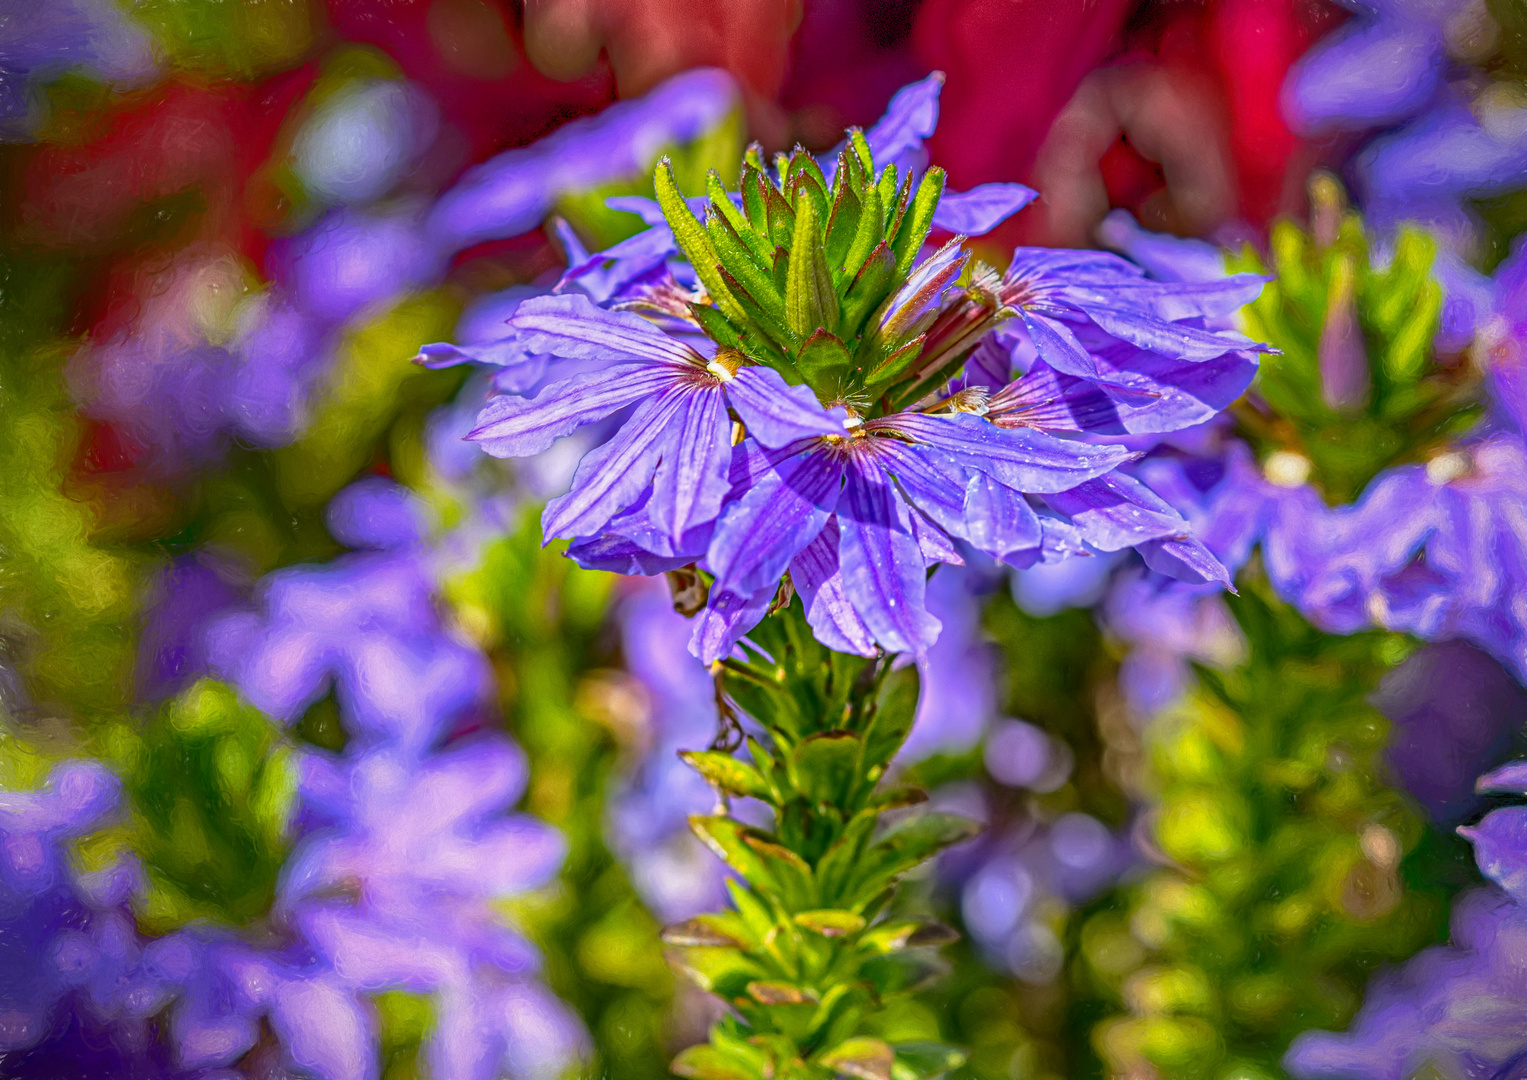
<point>1356,387</point>
<point>1284,860</point>
<point>810,954</point>
<point>211,792</point>
<point>807,277</point>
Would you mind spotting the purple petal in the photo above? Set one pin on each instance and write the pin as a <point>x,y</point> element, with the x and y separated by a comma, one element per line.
<point>833,620</point>
<point>621,555</point>
<point>726,618</point>
<point>883,571</point>
<point>1186,559</point>
<point>692,478</point>
<point>776,413</point>
<point>780,514</point>
<point>1117,511</point>
<point>1500,848</point>
<point>910,118</point>
<point>1058,345</point>
<point>1164,256</point>
<point>1508,777</point>
<point>982,208</point>
<point>325,1029</point>
<point>511,426</point>
<point>999,520</point>
<point>573,327</point>
<point>611,478</point>
<point>1019,458</point>
<point>932,482</point>
<point>1047,400</point>
<point>1178,340</point>
<point>605,273</point>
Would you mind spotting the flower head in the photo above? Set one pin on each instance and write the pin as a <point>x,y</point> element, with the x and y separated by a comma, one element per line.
<point>797,404</point>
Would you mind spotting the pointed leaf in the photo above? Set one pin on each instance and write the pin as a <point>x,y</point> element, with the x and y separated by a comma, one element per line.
<point>721,203</point>
<point>842,228</point>
<point>727,773</point>
<point>893,367</point>
<point>925,1060</point>
<point>706,1062</point>
<point>781,993</point>
<point>810,302</point>
<point>824,765</point>
<point>917,222</point>
<point>703,930</point>
<point>868,232</point>
<point>869,289</point>
<point>692,238</point>
<point>830,922</point>
<point>825,362</point>
<point>739,263</point>
<point>865,1058</point>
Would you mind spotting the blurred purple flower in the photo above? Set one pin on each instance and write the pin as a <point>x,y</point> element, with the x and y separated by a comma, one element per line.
<point>39,42</point>
<point>1460,1009</point>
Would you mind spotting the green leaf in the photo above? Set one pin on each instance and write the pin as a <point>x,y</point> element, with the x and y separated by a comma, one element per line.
<point>893,367</point>
<point>903,972</point>
<point>723,971</point>
<point>861,148</point>
<point>810,302</point>
<point>886,188</point>
<point>865,1058</point>
<point>781,216</point>
<point>706,1062</point>
<point>868,291</point>
<point>830,922</point>
<point>714,931</point>
<point>869,231</point>
<point>825,362</point>
<point>890,721</point>
<point>716,326</point>
<point>740,264</point>
<point>725,837</point>
<point>911,843</point>
<point>721,203</point>
<point>692,239</point>
<point>925,1060</point>
<point>909,934</point>
<point>916,223</point>
<point>842,228</point>
<point>767,992</point>
<point>824,765</point>
<point>727,773</point>
<point>754,205</point>
<point>804,175</point>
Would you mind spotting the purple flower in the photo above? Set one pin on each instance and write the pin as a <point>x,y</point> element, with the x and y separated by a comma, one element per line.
<point>678,441</point>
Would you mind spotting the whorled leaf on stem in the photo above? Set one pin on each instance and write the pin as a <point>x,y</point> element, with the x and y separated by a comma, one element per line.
<point>807,956</point>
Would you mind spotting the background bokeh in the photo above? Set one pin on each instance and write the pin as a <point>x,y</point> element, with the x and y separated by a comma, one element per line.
<point>315,763</point>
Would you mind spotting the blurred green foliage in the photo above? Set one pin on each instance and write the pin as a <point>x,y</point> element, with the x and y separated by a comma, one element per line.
<point>211,790</point>
<point>1282,851</point>
<point>542,618</point>
<point>1356,387</point>
<point>67,606</point>
<point>1056,672</point>
<point>240,38</point>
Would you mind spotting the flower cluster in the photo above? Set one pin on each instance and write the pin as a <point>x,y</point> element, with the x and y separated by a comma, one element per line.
<point>806,405</point>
